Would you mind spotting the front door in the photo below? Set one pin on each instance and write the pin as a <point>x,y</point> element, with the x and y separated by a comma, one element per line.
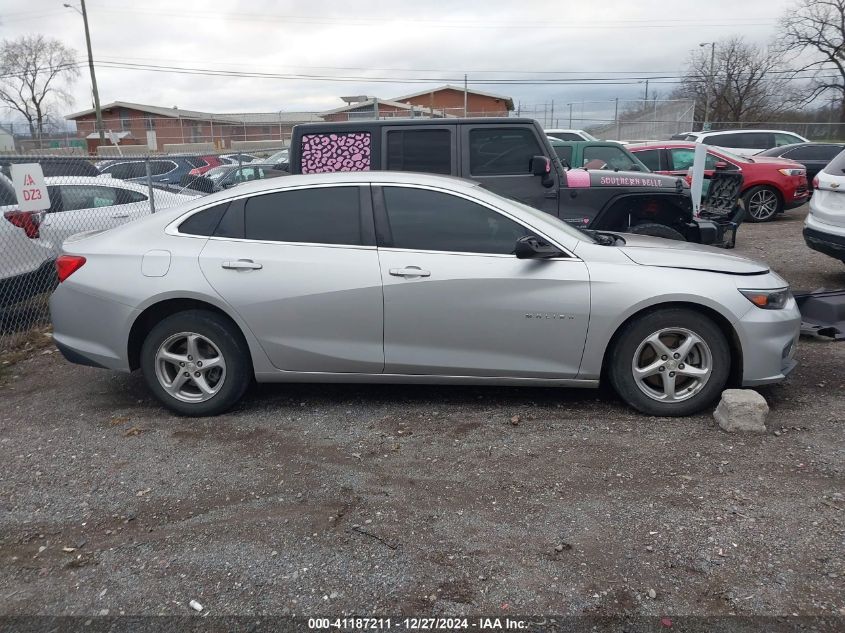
<point>500,159</point>
<point>301,268</point>
<point>457,302</point>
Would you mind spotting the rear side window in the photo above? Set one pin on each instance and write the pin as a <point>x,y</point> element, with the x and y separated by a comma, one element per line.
<point>127,196</point>
<point>428,151</point>
<point>324,215</point>
<point>782,138</point>
<point>813,152</point>
<point>325,153</point>
<point>76,197</point>
<point>836,167</point>
<point>742,140</point>
<point>502,151</point>
<point>651,158</point>
<point>564,153</point>
<point>158,167</point>
<point>205,222</point>
<point>421,219</point>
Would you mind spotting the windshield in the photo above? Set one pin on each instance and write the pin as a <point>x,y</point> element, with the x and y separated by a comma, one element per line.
<point>279,157</point>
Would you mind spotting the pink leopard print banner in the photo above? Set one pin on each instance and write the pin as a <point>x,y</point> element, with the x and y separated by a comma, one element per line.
<point>326,153</point>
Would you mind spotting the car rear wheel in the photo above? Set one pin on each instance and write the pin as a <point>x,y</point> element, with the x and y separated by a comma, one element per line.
<point>670,362</point>
<point>196,363</point>
<point>762,204</point>
<point>657,230</point>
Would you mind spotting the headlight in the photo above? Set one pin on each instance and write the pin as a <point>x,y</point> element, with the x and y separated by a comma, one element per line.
<point>768,299</point>
<point>793,172</point>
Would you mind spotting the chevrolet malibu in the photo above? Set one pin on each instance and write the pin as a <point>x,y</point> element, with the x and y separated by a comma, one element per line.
<point>388,277</point>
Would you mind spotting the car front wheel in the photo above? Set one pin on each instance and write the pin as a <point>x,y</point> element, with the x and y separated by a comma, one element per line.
<point>670,362</point>
<point>762,204</point>
<point>196,363</point>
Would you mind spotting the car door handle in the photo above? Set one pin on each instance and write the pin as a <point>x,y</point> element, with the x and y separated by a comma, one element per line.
<point>242,264</point>
<point>410,271</point>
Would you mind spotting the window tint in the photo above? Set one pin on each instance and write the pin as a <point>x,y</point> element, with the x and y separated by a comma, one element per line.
<point>607,157</point>
<point>651,158</point>
<point>564,153</point>
<point>837,165</point>
<point>782,138</point>
<point>433,221</point>
<point>428,151</point>
<point>566,136</point>
<point>682,159</point>
<point>204,222</point>
<point>158,167</point>
<point>502,151</point>
<point>126,171</point>
<point>127,196</point>
<point>75,197</point>
<point>813,152</point>
<point>324,215</point>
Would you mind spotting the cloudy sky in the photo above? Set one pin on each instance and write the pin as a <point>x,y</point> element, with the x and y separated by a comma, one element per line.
<point>384,48</point>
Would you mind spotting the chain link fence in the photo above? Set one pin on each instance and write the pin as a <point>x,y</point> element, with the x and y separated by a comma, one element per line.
<point>87,193</point>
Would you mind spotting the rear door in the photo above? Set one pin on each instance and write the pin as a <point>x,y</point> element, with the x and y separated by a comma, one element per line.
<point>499,157</point>
<point>301,268</point>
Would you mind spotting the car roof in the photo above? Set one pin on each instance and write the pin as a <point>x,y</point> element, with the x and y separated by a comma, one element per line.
<point>738,130</point>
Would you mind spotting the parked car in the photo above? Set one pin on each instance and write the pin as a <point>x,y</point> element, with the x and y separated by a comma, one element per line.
<point>404,277</point>
<point>570,135</point>
<point>814,156</point>
<point>744,142</point>
<point>52,165</point>
<point>238,159</point>
<point>86,204</point>
<point>210,162</point>
<point>227,176</point>
<point>770,185</point>
<point>596,155</point>
<point>25,264</point>
<point>280,160</point>
<point>824,226</point>
<point>164,170</point>
<point>512,157</point>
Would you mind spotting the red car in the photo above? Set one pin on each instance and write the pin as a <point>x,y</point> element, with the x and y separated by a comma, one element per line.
<point>210,162</point>
<point>769,185</point>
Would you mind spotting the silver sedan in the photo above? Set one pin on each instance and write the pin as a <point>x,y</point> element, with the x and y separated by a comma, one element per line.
<point>408,278</point>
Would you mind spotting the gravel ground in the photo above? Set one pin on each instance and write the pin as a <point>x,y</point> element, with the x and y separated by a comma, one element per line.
<point>424,500</point>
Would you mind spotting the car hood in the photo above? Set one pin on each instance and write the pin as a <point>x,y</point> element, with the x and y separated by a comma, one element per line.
<point>656,251</point>
<point>775,160</point>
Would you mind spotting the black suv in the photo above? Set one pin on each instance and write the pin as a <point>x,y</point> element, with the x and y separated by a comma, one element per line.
<point>513,158</point>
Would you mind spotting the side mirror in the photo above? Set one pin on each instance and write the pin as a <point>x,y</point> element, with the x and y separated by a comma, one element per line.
<point>530,247</point>
<point>541,166</point>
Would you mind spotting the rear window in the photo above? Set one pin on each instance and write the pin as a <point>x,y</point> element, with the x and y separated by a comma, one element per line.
<point>836,167</point>
<point>813,152</point>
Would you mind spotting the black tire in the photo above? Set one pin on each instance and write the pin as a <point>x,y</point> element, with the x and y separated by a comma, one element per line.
<point>634,334</point>
<point>771,212</point>
<point>657,230</point>
<point>222,334</point>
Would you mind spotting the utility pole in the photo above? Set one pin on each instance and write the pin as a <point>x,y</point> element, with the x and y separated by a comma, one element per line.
<point>616,118</point>
<point>97,112</point>
<point>465,95</point>
<point>646,90</point>
<point>710,86</point>
<point>570,116</point>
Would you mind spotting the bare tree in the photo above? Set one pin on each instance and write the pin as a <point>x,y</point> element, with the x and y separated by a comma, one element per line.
<point>35,73</point>
<point>818,27</point>
<point>747,82</point>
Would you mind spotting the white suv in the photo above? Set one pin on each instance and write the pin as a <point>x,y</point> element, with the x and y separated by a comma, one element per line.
<point>744,142</point>
<point>824,228</point>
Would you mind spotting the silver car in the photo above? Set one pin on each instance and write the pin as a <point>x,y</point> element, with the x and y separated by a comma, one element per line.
<point>388,277</point>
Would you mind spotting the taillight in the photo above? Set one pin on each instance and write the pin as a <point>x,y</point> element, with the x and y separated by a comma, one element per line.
<point>816,182</point>
<point>66,265</point>
<point>29,221</point>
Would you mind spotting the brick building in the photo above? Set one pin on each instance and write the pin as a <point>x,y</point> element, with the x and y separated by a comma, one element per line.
<point>450,99</point>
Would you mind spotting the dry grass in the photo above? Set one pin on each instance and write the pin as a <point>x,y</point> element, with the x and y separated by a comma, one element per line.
<point>22,345</point>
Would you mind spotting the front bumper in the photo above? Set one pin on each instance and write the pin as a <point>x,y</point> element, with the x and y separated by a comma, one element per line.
<point>769,339</point>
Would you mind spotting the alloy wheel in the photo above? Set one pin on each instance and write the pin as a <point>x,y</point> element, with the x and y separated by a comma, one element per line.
<point>190,367</point>
<point>672,365</point>
<point>763,204</point>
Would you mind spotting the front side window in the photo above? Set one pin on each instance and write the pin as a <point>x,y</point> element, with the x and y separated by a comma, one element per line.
<point>426,220</point>
<point>75,197</point>
<point>607,157</point>
<point>683,158</point>
<point>502,151</point>
<point>428,151</point>
<point>323,215</point>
